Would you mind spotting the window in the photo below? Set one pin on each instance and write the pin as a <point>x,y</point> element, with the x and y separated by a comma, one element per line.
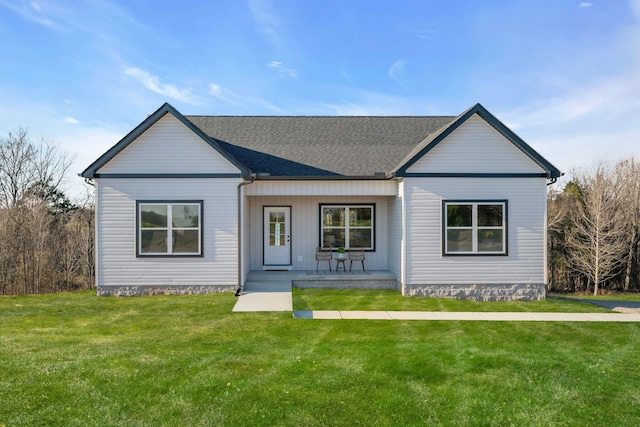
<point>170,228</point>
<point>349,226</point>
<point>475,228</point>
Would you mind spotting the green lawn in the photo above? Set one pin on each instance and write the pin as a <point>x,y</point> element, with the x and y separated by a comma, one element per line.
<point>78,359</point>
<point>390,300</point>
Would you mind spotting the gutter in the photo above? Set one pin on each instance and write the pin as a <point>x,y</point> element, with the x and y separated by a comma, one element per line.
<point>251,179</point>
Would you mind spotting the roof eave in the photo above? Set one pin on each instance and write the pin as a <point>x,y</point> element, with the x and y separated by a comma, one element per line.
<point>263,177</point>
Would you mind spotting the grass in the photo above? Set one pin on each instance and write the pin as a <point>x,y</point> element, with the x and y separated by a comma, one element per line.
<point>614,297</point>
<point>77,359</point>
<point>390,300</point>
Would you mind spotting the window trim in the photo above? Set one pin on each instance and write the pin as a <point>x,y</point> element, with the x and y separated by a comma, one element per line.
<point>474,227</point>
<point>350,205</point>
<point>168,203</point>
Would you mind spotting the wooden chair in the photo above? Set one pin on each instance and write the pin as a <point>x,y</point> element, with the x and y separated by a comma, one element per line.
<point>356,254</point>
<point>323,254</point>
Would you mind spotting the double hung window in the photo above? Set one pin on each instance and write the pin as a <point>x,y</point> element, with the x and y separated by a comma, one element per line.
<point>347,226</point>
<point>475,228</point>
<point>170,228</point>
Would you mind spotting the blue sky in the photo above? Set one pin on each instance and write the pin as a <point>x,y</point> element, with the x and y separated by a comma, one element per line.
<point>563,74</point>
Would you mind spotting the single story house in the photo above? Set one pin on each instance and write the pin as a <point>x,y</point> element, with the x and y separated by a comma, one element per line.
<point>451,206</point>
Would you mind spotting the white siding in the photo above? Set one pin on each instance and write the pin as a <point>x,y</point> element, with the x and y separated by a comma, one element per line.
<point>116,237</point>
<point>168,147</point>
<point>525,262</point>
<point>323,188</point>
<point>475,146</point>
<point>305,229</point>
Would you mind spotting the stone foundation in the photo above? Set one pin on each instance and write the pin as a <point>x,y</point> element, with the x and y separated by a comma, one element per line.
<point>508,292</point>
<point>138,290</point>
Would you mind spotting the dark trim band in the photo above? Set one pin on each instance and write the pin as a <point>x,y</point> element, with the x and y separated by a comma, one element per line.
<point>167,175</point>
<point>472,175</point>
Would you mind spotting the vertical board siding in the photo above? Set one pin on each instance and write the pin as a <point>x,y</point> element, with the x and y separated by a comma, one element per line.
<point>395,234</point>
<point>305,229</point>
<point>475,147</point>
<point>116,238</point>
<point>323,188</point>
<point>525,262</point>
<point>168,147</point>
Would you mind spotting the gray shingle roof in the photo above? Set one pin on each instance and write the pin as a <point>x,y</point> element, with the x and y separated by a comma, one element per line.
<point>320,145</point>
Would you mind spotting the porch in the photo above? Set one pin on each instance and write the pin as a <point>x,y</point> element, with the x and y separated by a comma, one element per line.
<point>271,290</point>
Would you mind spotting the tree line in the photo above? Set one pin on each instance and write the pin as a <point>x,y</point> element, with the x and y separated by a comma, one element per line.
<point>594,230</point>
<point>46,240</point>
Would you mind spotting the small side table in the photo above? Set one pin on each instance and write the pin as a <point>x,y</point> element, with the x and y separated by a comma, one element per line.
<point>341,260</point>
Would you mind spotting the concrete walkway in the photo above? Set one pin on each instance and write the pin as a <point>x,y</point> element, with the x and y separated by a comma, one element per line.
<point>265,295</point>
<point>450,315</point>
<point>271,291</point>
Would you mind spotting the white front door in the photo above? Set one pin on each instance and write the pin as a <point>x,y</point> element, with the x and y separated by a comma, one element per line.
<point>277,236</point>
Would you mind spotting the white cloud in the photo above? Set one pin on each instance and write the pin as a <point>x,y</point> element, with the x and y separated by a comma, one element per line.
<point>268,22</point>
<point>358,102</point>
<point>154,84</point>
<point>246,102</point>
<point>396,71</point>
<point>32,12</point>
<point>585,4</point>
<point>70,120</point>
<point>282,70</point>
<point>585,124</point>
<point>635,8</point>
<point>225,95</point>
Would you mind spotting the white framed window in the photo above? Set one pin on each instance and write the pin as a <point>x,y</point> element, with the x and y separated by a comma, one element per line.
<point>169,228</point>
<point>474,227</point>
<point>347,226</point>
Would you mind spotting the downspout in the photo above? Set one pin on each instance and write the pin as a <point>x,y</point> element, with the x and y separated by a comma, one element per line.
<point>252,178</point>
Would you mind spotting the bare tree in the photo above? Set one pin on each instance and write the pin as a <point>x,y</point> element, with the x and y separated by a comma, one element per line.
<point>628,173</point>
<point>557,224</point>
<point>40,237</point>
<point>598,241</point>
<point>17,155</point>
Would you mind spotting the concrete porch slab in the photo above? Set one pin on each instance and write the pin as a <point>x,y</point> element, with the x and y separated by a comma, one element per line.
<point>265,296</point>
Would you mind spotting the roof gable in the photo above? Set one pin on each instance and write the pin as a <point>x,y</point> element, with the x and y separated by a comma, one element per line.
<point>431,142</point>
<point>101,163</point>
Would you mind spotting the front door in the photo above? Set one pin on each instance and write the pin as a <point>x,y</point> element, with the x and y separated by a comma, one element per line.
<point>277,236</point>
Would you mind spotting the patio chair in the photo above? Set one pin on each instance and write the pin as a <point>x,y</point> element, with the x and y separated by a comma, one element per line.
<point>356,254</point>
<point>323,254</point>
